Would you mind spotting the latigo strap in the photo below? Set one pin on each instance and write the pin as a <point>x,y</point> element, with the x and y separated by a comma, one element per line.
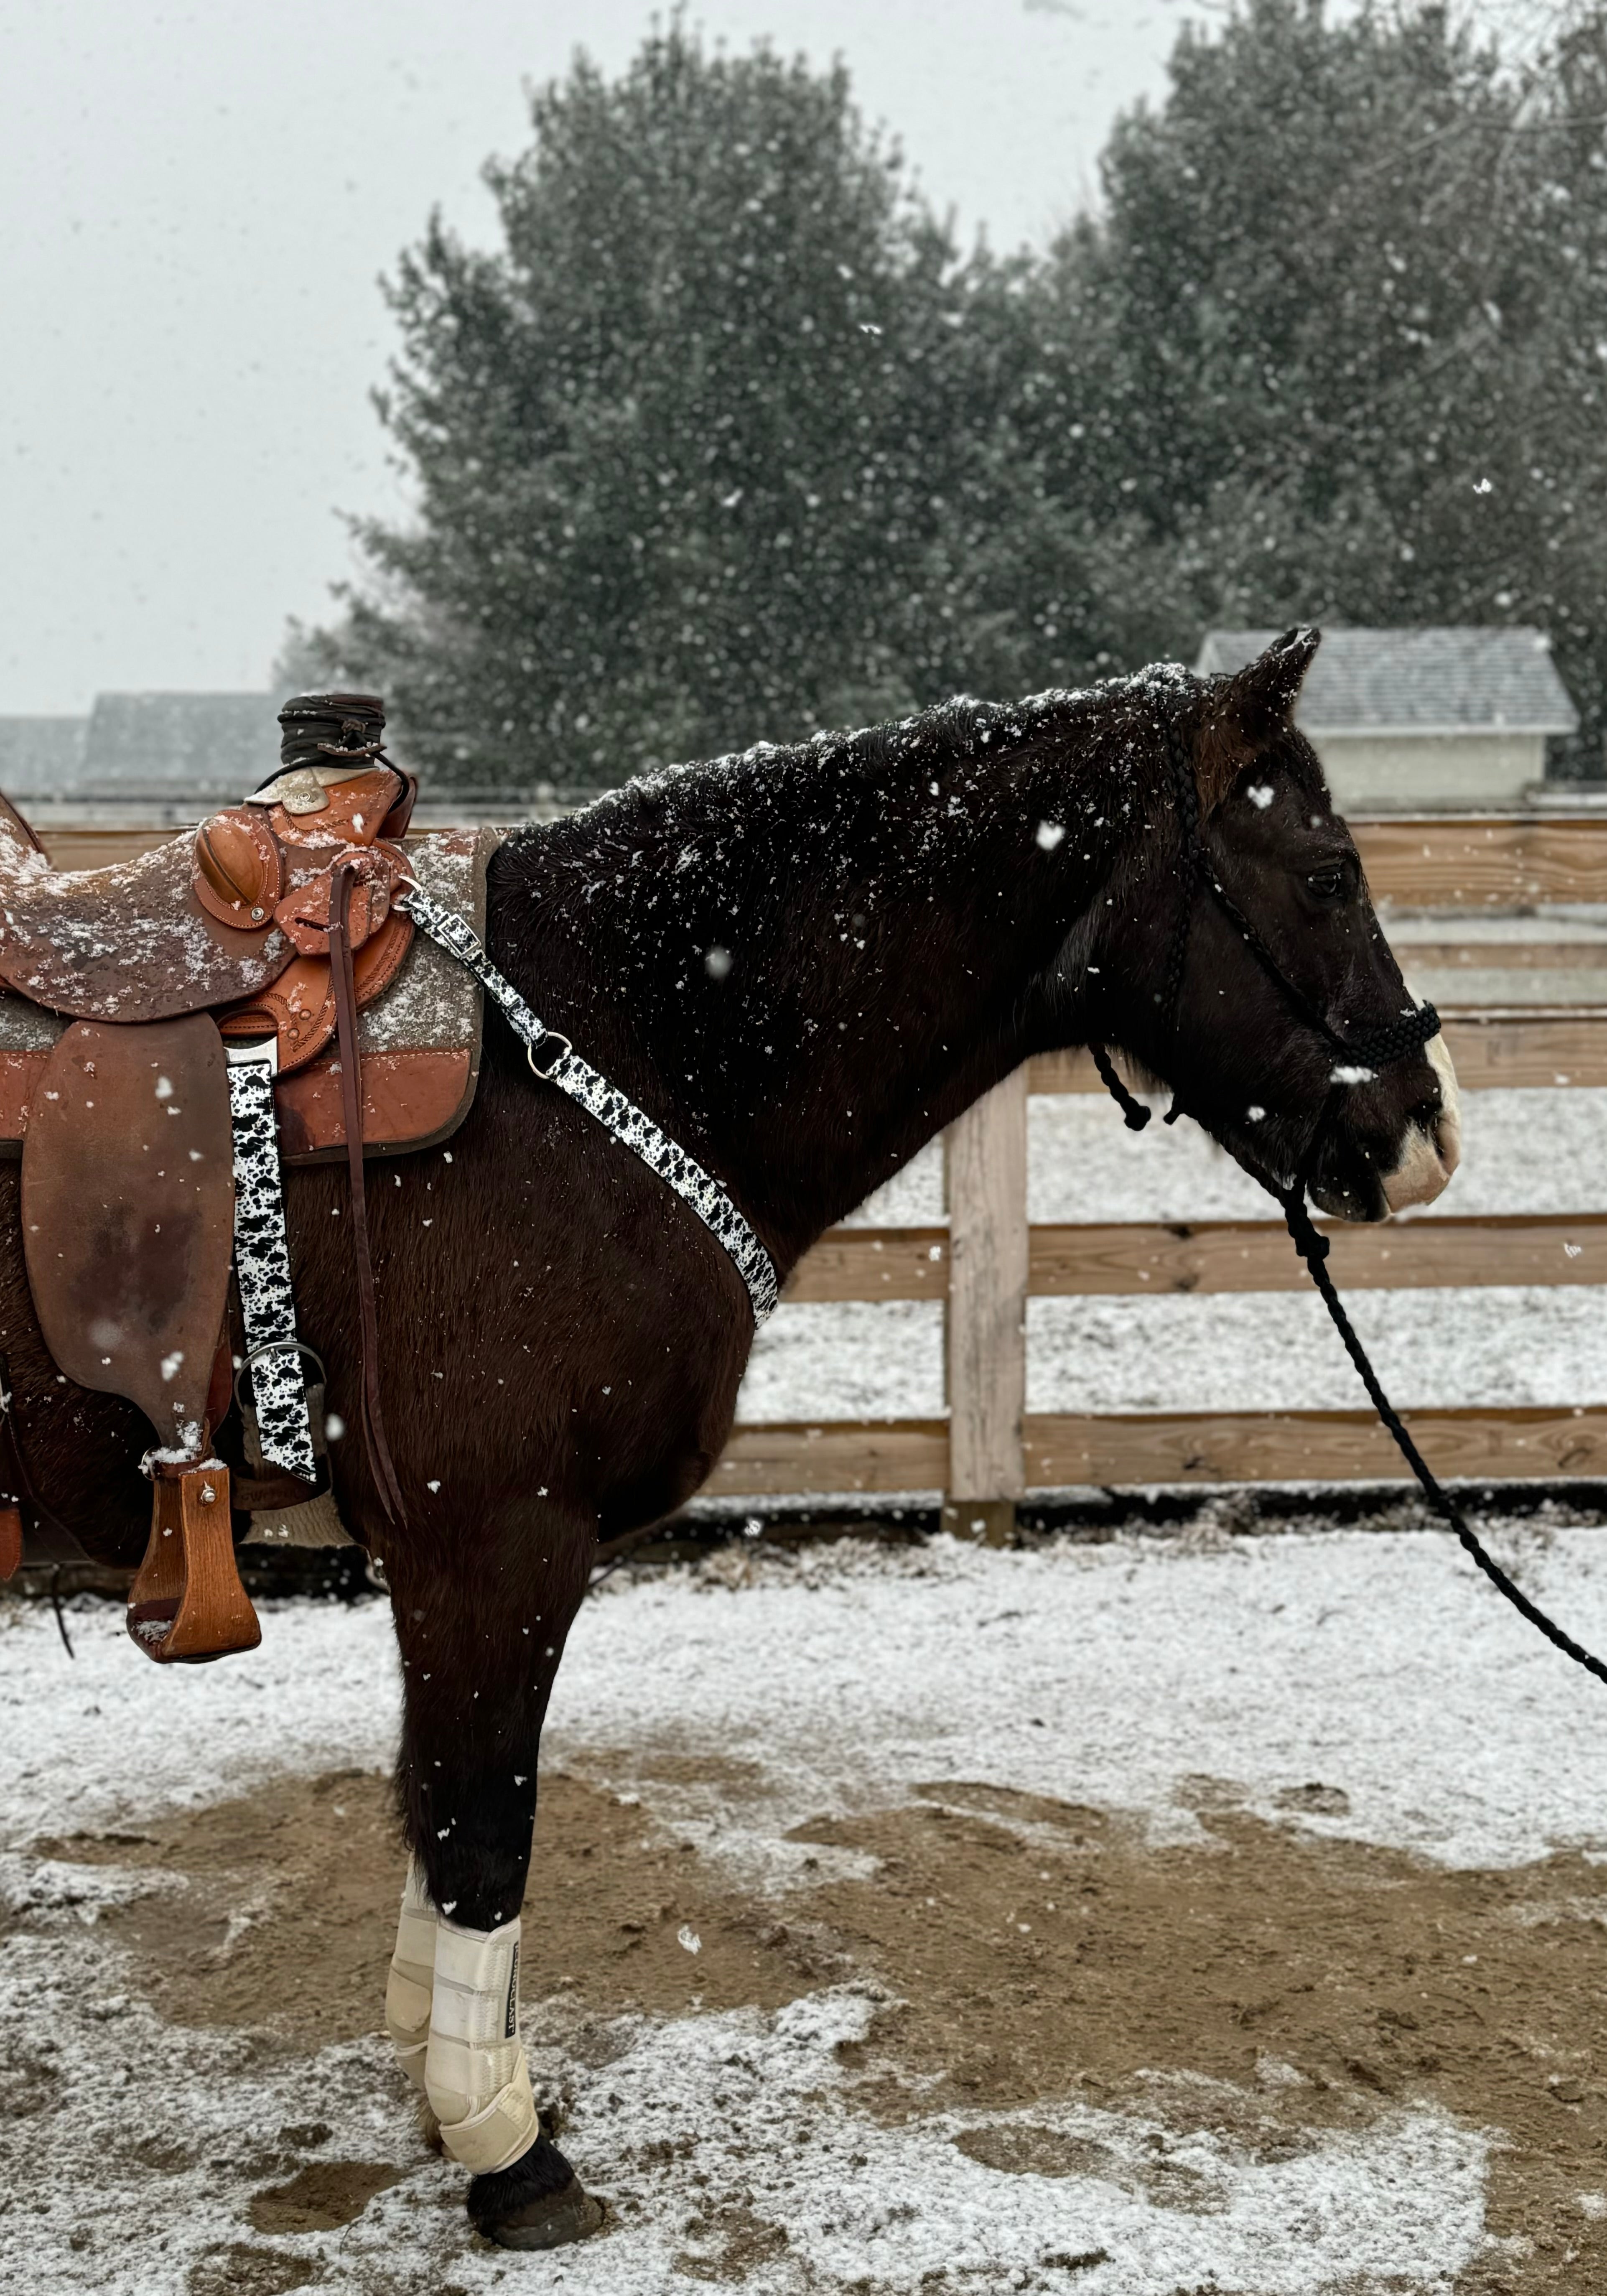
<point>375,1441</point>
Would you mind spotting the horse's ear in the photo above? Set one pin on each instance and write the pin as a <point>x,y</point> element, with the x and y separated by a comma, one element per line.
<point>1250,709</point>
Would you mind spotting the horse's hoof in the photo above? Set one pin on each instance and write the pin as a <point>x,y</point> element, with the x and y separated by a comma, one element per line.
<point>551,2221</point>
<point>538,2203</point>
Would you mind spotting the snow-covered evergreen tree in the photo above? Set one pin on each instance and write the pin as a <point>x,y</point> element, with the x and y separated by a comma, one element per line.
<point>1340,335</point>
<point>682,444</point>
<point>725,440</point>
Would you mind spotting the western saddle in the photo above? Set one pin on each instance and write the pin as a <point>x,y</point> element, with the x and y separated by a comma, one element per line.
<point>269,928</point>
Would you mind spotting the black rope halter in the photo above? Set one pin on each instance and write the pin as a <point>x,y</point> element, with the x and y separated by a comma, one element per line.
<point>1386,1047</point>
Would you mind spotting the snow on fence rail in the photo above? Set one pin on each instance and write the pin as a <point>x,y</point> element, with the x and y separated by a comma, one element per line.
<point>987,1262</point>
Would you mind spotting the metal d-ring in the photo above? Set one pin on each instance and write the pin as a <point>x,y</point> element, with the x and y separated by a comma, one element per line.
<point>271,1346</point>
<point>548,1037</point>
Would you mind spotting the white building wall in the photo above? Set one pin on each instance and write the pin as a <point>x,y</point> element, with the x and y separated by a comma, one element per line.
<point>1429,773</point>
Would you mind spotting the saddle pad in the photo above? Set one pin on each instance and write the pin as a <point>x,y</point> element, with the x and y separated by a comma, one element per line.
<point>420,1040</point>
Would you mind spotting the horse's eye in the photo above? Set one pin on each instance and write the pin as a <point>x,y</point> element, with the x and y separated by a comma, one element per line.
<point>1327,884</point>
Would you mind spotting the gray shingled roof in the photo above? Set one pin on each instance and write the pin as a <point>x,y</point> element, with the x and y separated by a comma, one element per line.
<point>162,744</point>
<point>1457,680</point>
<point>199,746</point>
<point>40,757</point>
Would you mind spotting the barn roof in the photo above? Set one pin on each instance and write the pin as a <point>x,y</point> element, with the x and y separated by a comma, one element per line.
<point>41,756</point>
<point>143,745</point>
<point>1457,680</point>
<point>161,744</point>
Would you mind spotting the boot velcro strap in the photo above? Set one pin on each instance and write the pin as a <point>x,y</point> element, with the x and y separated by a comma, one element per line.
<point>500,2135</point>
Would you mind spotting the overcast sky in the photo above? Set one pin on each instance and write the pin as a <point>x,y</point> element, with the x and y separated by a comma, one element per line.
<point>197,202</point>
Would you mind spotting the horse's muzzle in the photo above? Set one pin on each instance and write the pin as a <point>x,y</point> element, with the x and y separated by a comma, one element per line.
<point>1432,1148</point>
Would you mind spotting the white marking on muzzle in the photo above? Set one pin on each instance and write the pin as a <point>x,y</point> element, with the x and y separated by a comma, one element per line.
<point>1431,1155</point>
<point>1449,1126</point>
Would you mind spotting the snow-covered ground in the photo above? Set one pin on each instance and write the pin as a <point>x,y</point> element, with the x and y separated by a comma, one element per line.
<point>1115,1675</point>
<point>1101,1673</point>
<point>1524,1152</point>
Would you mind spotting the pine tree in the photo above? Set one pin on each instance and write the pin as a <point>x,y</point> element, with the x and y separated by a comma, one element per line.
<point>682,444</point>
<point>1336,343</point>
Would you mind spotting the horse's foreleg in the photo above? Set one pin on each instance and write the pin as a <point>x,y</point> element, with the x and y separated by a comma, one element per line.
<point>480,1652</point>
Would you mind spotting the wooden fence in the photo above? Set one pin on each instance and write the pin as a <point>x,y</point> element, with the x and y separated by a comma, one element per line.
<point>1461,861</point>
<point>986,1263</point>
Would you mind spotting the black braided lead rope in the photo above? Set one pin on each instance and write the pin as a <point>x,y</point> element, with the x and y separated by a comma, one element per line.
<point>1191,850</point>
<point>1191,856</point>
<point>1135,1115</point>
<point>1313,1249</point>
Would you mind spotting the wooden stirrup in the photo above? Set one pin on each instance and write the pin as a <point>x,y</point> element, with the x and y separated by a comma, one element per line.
<point>186,1603</point>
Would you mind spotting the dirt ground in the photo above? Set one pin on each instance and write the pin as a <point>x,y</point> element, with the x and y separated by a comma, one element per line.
<point>1268,1985</point>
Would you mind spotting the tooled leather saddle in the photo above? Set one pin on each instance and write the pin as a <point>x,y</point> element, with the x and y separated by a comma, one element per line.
<point>149,1002</point>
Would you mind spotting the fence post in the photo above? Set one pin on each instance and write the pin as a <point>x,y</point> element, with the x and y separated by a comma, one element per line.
<point>985,1155</point>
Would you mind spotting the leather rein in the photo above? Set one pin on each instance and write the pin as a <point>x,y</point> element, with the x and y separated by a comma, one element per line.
<point>1357,1063</point>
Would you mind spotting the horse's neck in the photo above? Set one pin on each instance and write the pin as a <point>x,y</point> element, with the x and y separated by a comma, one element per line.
<point>822,968</point>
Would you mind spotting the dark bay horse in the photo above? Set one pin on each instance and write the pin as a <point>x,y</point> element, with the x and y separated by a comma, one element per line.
<point>802,962</point>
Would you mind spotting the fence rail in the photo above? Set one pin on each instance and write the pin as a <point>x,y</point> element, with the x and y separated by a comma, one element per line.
<point>1485,861</point>
<point>1113,1448</point>
<point>1136,1259</point>
<point>1024,1451</point>
<point>1515,1048</point>
<point>1474,861</point>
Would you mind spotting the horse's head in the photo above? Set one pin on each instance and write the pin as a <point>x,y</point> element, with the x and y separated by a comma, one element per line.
<point>1278,1015</point>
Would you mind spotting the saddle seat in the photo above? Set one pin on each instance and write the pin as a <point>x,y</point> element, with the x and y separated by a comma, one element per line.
<point>126,984</point>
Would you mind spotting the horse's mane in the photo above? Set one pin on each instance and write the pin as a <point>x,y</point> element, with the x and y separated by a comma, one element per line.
<point>962,726</point>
